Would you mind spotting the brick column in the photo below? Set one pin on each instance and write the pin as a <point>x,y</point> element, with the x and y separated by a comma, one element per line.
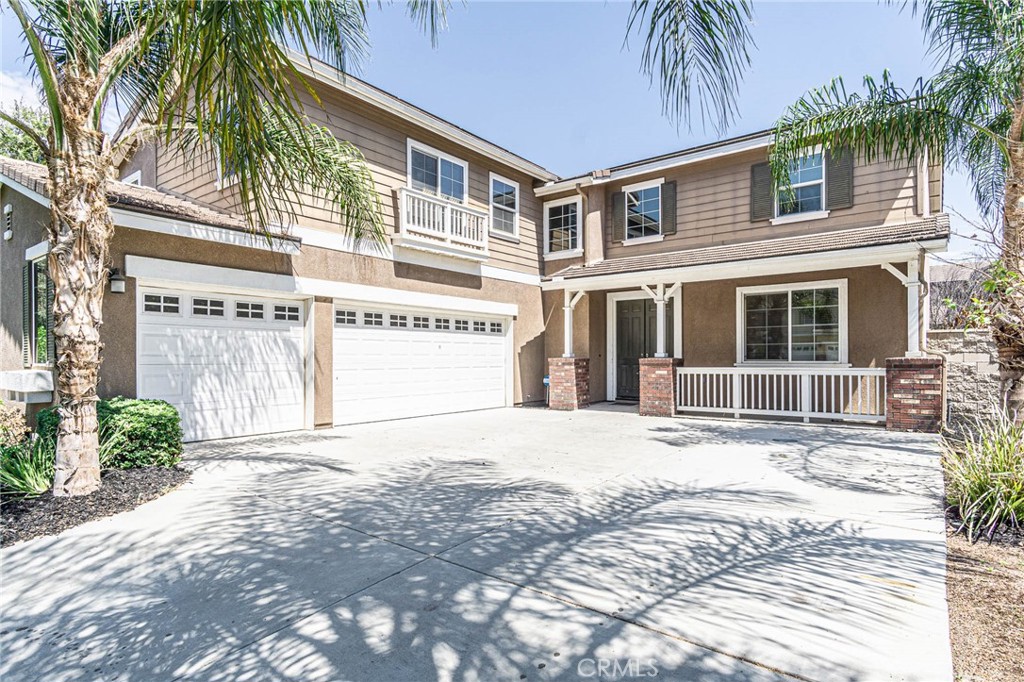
<point>913,394</point>
<point>658,386</point>
<point>570,383</point>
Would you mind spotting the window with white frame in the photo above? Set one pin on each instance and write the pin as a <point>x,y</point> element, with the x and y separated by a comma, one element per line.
<point>442,323</point>
<point>346,317</point>
<point>208,307</point>
<point>562,227</point>
<point>437,173</point>
<point>286,313</point>
<point>806,192</point>
<point>161,303</point>
<point>793,323</point>
<point>504,206</point>
<point>38,311</point>
<point>643,210</point>
<point>247,310</point>
<point>133,178</point>
<point>373,319</point>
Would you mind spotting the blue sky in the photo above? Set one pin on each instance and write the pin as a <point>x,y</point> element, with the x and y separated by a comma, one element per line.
<point>556,83</point>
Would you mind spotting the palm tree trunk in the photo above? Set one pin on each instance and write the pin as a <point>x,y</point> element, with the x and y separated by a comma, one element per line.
<point>1009,329</point>
<point>80,233</point>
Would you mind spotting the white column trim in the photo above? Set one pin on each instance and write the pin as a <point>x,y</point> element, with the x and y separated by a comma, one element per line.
<point>913,285</point>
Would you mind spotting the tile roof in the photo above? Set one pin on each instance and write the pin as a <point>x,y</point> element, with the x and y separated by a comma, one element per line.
<point>936,227</point>
<point>135,198</point>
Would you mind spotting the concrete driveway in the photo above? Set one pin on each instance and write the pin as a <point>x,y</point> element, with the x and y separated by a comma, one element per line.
<point>505,545</point>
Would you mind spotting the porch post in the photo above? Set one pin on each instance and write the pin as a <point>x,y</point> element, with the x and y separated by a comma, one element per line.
<point>913,309</point>
<point>677,321</point>
<point>567,324</point>
<point>659,304</point>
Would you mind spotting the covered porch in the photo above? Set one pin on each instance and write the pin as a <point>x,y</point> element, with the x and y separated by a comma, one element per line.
<point>812,336</point>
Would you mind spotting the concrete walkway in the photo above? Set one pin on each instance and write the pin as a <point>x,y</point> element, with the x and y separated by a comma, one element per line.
<point>505,545</point>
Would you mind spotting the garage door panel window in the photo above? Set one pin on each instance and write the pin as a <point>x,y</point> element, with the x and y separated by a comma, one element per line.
<point>207,307</point>
<point>373,319</point>
<point>161,304</point>
<point>442,323</point>
<point>246,310</point>
<point>286,313</point>
<point>345,317</point>
<point>420,322</point>
<point>399,321</point>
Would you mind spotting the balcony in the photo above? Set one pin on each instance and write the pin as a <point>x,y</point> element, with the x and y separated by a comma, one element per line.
<point>430,223</point>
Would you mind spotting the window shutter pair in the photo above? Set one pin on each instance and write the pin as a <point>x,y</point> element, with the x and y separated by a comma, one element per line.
<point>668,212</point>
<point>838,181</point>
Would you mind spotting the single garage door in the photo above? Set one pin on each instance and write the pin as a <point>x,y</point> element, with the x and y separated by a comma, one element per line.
<point>232,365</point>
<point>395,363</point>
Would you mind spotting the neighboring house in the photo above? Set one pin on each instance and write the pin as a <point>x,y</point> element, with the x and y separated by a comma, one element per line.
<point>687,256</point>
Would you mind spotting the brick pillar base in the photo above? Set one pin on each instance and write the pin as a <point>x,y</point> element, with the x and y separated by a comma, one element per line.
<point>569,383</point>
<point>913,394</point>
<point>658,386</point>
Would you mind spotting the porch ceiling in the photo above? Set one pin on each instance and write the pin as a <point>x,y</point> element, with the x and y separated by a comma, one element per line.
<point>842,248</point>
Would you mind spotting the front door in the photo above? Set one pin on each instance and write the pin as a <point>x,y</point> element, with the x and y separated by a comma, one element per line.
<point>636,337</point>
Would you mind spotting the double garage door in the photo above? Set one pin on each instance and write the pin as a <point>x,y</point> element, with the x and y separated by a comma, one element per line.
<point>396,363</point>
<point>236,365</point>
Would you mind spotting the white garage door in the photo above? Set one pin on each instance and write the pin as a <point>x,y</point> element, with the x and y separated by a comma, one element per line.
<point>392,364</point>
<point>232,365</point>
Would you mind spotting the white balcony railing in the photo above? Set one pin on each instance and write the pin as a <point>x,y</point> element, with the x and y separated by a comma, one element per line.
<point>437,224</point>
<point>811,393</point>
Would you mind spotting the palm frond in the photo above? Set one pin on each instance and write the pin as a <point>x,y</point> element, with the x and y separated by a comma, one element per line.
<point>431,15</point>
<point>699,51</point>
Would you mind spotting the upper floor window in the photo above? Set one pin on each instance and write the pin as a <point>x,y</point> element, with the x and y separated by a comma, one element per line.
<point>437,173</point>
<point>133,178</point>
<point>504,206</point>
<point>793,323</point>
<point>562,228</point>
<point>806,192</point>
<point>643,210</point>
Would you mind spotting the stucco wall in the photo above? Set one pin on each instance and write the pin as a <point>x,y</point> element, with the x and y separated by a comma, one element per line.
<point>877,316</point>
<point>28,223</point>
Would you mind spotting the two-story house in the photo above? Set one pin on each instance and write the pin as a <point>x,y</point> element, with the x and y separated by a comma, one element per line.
<point>497,274</point>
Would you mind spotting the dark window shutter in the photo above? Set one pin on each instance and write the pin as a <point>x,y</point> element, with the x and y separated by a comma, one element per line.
<point>618,217</point>
<point>51,347</point>
<point>668,208</point>
<point>839,176</point>
<point>26,315</point>
<point>762,203</point>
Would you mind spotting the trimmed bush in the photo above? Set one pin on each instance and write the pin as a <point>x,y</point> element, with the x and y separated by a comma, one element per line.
<point>985,476</point>
<point>133,433</point>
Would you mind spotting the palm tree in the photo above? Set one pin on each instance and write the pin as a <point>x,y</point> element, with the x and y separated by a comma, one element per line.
<point>971,112</point>
<point>195,75</point>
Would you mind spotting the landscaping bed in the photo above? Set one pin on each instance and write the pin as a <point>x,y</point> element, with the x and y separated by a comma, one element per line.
<point>122,489</point>
<point>985,589</point>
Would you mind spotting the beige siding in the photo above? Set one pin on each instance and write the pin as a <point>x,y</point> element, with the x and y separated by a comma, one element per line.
<point>382,138</point>
<point>713,205</point>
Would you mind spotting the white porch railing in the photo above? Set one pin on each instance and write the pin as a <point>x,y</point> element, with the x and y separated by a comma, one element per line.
<point>808,392</point>
<point>431,221</point>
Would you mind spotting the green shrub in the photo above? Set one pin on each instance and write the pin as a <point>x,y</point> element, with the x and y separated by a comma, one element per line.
<point>135,433</point>
<point>985,476</point>
<point>26,469</point>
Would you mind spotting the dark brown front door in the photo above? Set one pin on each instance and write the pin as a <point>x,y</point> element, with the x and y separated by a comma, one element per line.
<point>636,337</point>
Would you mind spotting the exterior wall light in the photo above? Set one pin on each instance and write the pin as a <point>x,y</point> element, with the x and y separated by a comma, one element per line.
<point>8,232</point>
<point>117,281</point>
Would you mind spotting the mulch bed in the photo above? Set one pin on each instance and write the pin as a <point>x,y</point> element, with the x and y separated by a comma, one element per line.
<point>122,489</point>
<point>985,589</point>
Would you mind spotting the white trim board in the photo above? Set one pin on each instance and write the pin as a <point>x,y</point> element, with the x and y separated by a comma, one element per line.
<point>209,277</point>
<point>779,265</point>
